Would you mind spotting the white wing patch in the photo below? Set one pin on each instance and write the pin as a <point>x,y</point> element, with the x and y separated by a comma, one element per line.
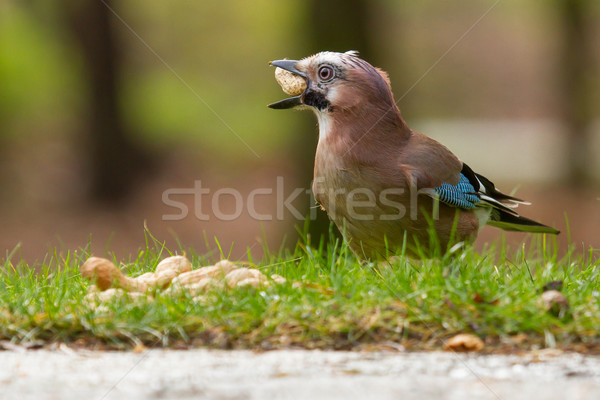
<point>483,215</point>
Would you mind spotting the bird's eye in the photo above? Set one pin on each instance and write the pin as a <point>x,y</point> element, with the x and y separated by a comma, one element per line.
<point>325,73</point>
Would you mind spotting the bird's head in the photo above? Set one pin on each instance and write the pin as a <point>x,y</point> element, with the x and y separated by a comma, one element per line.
<point>338,83</point>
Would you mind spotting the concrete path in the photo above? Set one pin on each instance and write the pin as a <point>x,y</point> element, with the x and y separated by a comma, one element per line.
<point>294,374</point>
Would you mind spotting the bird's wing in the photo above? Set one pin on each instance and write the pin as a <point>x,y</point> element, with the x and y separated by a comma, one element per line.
<point>429,163</point>
<point>488,190</point>
<point>463,195</point>
<point>469,195</point>
<point>437,172</point>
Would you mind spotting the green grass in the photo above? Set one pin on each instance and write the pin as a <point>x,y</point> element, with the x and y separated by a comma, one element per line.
<point>341,304</point>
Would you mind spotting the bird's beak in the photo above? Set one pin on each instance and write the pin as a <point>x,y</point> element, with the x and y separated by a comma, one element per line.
<point>289,65</point>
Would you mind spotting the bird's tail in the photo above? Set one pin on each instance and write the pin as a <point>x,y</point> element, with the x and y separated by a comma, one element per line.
<point>511,221</point>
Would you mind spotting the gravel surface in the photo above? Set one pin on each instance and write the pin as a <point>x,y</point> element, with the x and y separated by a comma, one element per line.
<point>294,374</point>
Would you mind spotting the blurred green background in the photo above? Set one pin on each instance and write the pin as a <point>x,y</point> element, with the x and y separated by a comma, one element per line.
<point>104,105</point>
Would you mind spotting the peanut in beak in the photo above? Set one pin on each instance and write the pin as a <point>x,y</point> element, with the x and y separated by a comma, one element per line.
<point>290,83</point>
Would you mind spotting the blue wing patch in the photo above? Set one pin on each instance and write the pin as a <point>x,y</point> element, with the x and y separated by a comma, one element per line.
<point>462,195</point>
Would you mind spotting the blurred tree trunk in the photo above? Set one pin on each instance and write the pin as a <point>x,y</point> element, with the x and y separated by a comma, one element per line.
<point>340,25</point>
<point>335,25</point>
<point>576,59</point>
<point>115,160</point>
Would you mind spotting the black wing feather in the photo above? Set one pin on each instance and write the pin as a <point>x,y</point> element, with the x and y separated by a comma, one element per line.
<point>502,216</point>
<point>489,188</point>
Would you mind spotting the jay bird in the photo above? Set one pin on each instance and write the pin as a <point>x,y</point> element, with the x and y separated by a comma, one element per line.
<point>385,186</point>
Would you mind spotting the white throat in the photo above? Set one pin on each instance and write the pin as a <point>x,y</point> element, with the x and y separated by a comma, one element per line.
<point>325,124</point>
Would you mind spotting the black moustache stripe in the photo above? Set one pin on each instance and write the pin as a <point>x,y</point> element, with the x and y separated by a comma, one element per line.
<point>316,99</point>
